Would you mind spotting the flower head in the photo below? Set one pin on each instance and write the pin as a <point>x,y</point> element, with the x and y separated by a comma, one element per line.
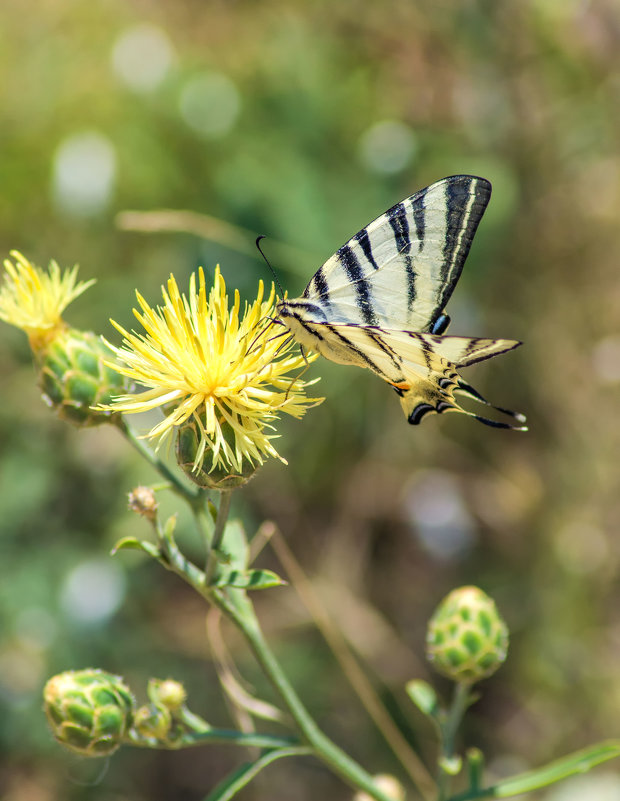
<point>221,372</point>
<point>89,711</point>
<point>467,639</point>
<point>34,300</point>
<point>70,362</point>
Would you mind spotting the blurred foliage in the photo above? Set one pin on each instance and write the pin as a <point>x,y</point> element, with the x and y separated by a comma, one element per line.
<point>304,121</point>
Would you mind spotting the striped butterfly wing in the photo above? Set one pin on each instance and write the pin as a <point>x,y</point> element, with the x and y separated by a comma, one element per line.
<point>401,269</point>
<point>421,368</point>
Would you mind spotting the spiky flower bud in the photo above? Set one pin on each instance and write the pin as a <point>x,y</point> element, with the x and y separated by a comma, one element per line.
<point>74,378</point>
<point>467,640</point>
<point>142,501</point>
<point>190,441</point>
<point>167,692</point>
<point>153,720</point>
<point>89,711</point>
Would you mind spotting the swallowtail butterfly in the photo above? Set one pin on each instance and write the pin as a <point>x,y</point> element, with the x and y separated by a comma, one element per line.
<point>379,302</point>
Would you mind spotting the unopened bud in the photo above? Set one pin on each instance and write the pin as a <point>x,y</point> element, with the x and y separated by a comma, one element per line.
<point>467,639</point>
<point>142,501</point>
<point>89,711</point>
<point>167,692</point>
<point>152,720</point>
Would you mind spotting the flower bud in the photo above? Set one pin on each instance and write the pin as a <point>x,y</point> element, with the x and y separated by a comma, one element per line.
<point>142,501</point>
<point>167,692</point>
<point>467,640</point>
<point>388,785</point>
<point>152,720</point>
<point>89,711</point>
<point>221,477</point>
<point>74,378</point>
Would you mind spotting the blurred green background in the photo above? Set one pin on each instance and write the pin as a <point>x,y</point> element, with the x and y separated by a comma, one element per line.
<point>304,121</point>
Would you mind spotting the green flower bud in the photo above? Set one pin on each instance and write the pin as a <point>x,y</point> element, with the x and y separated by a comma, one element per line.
<point>189,440</point>
<point>74,378</point>
<point>167,692</point>
<point>89,711</point>
<point>467,640</point>
<point>152,720</point>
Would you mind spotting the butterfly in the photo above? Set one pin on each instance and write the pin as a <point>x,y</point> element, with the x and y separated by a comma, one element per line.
<point>379,302</point>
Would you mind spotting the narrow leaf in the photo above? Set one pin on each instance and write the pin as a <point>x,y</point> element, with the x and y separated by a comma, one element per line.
<point>249,580</point>
<point>423,696</point>
<point>578,762</point>
<point>231,785</point>
<point>131,543</point>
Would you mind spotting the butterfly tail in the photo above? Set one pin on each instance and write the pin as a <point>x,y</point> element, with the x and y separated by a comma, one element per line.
<point>435,392</point>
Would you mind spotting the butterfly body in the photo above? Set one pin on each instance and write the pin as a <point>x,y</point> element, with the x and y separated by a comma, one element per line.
<point>379,301</point>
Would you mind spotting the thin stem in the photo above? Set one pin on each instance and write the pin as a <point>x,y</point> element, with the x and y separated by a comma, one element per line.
<point>324,748</point>
<point>460,702</point>
<point>367,694</point>
<point>220,737</point>
<point>218,534</point>
<point>175,483</point>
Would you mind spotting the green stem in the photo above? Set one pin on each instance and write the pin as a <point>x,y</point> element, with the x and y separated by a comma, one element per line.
<point>218,535</point>
<point>192,497</point>
<point>460,702</point>
<point>219,737</point>
<point>323,747</point>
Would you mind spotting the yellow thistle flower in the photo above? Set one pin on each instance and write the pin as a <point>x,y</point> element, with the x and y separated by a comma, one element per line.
<point>72,374</point>
<point>221,373</point>
<point>34,300</point>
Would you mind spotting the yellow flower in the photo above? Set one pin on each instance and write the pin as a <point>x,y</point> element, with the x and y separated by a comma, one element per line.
<point>224,374</point>
<point>72,375</point>
<point>34,300</point>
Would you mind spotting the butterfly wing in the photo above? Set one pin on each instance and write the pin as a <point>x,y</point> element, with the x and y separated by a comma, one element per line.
<point>399,271</point>
<point>421,368</point>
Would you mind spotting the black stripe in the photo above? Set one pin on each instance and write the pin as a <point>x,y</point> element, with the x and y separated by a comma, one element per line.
<point>321,286</point>
<point>353,269</point>
<point>364,240</point>
<point>308,328</point>
<point>359,352</point>
<point>457,198</point>
<point>397,217</point>
<point>376,338</point>
<point>418,413</point>
<point>419,217</point>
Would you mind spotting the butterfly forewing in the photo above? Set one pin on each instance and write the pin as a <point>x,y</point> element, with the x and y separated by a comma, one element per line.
<point>401,269</point>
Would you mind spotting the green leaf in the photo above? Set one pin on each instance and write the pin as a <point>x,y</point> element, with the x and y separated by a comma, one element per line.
<point>423,696</point>
<point>231,785</point>
<point>578,762</point>
<point>131,543</point>
<point>235,546</point>
<point>249,580</point>
<point>169,527</point>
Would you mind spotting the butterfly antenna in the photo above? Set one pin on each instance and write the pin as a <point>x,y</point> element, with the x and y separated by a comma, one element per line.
<point>273,272</point>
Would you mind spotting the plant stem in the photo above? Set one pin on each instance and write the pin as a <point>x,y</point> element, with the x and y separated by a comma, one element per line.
<point>218,534</point>
<point>221,737</point>
<point>176,484</point>
<point>323,747</point>
<point>460,702</point>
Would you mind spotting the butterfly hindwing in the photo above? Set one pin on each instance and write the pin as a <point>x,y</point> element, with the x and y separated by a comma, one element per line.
<point>400,270</point>
<point>421,368</point>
